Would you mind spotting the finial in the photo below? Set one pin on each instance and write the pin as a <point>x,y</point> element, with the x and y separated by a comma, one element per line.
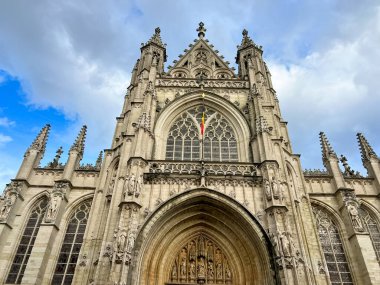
<point>79,142</point>
<point>327,150</point>
<point>366,150</point>
<point>246,41</point>
<point>40,141</point>
<point>157,30</point>
<point>156,38</point>
<point>55,161</point>
<point>99,160</point>
<point>245,33</point>
<point>201,30</point>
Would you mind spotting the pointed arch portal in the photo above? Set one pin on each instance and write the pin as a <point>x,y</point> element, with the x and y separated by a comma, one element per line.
<point>202,237</point>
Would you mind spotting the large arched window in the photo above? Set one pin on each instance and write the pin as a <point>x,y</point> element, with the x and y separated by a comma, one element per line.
<point>373,229</point>
<point>184,139</point>
<point>27,242</point>
<point>332,247</point>
<point>72,243</point>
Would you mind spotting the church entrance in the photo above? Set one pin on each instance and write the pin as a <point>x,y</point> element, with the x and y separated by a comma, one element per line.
<point>202,237</point>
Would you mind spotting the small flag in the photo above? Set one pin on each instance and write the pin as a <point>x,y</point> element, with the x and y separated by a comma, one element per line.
<point>203,123</point>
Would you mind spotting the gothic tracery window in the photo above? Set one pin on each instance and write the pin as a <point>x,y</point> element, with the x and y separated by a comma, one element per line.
<point>184,139</point>
<point>27,242</point>
<point>200,261</point>
<point>332,248</point>
<point>373,229</point>
<point>72,243</point>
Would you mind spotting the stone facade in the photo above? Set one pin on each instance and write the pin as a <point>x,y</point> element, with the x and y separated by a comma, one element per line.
<point>172,204</point>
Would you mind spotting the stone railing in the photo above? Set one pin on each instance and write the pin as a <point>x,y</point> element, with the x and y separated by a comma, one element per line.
<point>316,172</point>
<point>208,168</point>
<point>174,82</point>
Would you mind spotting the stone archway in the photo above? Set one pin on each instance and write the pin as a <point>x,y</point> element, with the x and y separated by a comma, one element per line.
<point>218,219</point>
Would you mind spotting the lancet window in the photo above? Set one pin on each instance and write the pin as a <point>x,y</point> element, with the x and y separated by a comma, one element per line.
<point>72,243</point>
<point>373,229</point>
<point>200,261</point>
<point>27,242</point>
<point>332,248</point>
<point>185,140</point>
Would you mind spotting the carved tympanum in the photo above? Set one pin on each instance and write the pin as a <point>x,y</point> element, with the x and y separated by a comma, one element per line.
<point>200,260</point>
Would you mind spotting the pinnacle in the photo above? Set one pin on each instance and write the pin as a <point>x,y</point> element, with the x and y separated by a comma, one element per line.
<point>201,30</point>
<point>156,38</point>
<point>246,41</point>
<point>40,141</point>
<point>327,150</point>
<point>366,150</point>
<point>80,140</point>
<point>99,160</point>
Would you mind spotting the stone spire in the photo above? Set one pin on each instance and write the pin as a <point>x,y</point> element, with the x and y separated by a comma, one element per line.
<point>201,30</point>
<point>80,140</point>
<point>156,38</point>
<point>366,150</point>
<point>99,160</point>
<point>327,150</point>
<point>40,141</point>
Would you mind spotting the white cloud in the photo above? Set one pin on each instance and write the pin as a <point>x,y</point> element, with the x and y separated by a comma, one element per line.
<point>5,122</point>
<point>4,139</point>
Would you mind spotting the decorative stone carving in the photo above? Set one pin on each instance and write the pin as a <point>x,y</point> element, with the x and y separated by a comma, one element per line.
<point>83,261</point>
<point>139,186</point>
<point>201,261</point>
<point>262,125</point>
<point>11,194</point>
<point>268,189</point>
<point>108,253</point>
<point>355,218</point>
<point>55,202</point>
<point>120,236</point>
<point>169,82</point>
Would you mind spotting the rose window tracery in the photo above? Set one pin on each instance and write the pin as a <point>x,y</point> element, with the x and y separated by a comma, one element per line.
<point>200,260</point>
<point>184,141</point>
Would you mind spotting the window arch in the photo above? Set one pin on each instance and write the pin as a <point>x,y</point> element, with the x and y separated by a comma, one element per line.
<point>184,139</point>
<point>27,242</point>
<point>332,248</point>
<point>72,243</point>
<point>373,229</point>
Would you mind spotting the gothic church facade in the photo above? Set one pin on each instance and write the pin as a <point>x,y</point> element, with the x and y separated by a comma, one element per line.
<point>199,186</point>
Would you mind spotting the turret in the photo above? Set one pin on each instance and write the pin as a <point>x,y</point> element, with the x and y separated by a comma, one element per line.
<point>75,154</point>
<point>331,161</point>
<point>34,153</point>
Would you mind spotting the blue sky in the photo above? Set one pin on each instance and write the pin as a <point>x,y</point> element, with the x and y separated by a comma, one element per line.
<point>68,63</point>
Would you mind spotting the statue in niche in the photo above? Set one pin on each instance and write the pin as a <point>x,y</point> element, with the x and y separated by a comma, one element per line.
<point>210,270</point>
<point>9,200</point>
<point>201,268</point>
<point>174,271</point>
<point>356,221</point>
<point>228,271</point>
<point>210,252</point>
<point>218,262</point>
<point>285,244</point>
<point>268,190</point>
<point>192,251</point>
<point>139,185</point>
<point>275,188</point>
<point>192,269</point>
<point>130,242</point>
<point>276,245</point>
<point>183,267</point>
<point>131,185</point>
<point>282,191</point>
<point>53,207</point>
<point>112,184</point>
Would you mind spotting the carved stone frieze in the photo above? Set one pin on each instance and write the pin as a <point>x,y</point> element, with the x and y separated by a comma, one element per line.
<point>168,82</point>
<point>11,194</point>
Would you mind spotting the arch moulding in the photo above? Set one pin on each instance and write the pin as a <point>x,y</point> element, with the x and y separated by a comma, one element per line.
<point>207,213</point>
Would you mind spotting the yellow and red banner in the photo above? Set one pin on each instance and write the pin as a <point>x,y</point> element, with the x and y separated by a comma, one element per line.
<point>203,124</point>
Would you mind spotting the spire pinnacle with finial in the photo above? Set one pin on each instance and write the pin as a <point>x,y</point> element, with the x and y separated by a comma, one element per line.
<point>246,41</point>
<point>80,140</point>
<point>201,30</point>
<point>327,150</point>
<point>156,38</point>
<point>99,160</point>
<point>366,150</point>
<point>40,141</point>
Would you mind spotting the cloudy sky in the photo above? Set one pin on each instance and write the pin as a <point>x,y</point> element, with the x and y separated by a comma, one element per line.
<point>68,63</point>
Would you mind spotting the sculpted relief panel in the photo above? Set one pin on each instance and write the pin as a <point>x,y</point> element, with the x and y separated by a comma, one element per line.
<point>200,261</point>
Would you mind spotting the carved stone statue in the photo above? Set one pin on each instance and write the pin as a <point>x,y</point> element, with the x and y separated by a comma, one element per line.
<point>183,267</point>
<point>131,242</point>
<point>228,271</point>
<point>9,199</point>
<point>356,221</point>
<point>112,184</point>
<point>268,190</point>
<point>275,189</point>
<point>282,191</point>
<point>131,185</point>
<point>139,185</point>
<point>51,213</point>
<point>285,244</point>
<point>192,270</point>
<point>210,270</point>
<point>201,268</point>
<point>276,245</point>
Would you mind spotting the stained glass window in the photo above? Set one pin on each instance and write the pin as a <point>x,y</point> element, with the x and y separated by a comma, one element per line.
<point>332,248</point>
<point>72,243</point>
<point>184,140</point>
<point>27,242</point>
<point>373,229</point>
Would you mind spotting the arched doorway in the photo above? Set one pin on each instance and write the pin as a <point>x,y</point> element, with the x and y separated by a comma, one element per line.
<point>182,231</point>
